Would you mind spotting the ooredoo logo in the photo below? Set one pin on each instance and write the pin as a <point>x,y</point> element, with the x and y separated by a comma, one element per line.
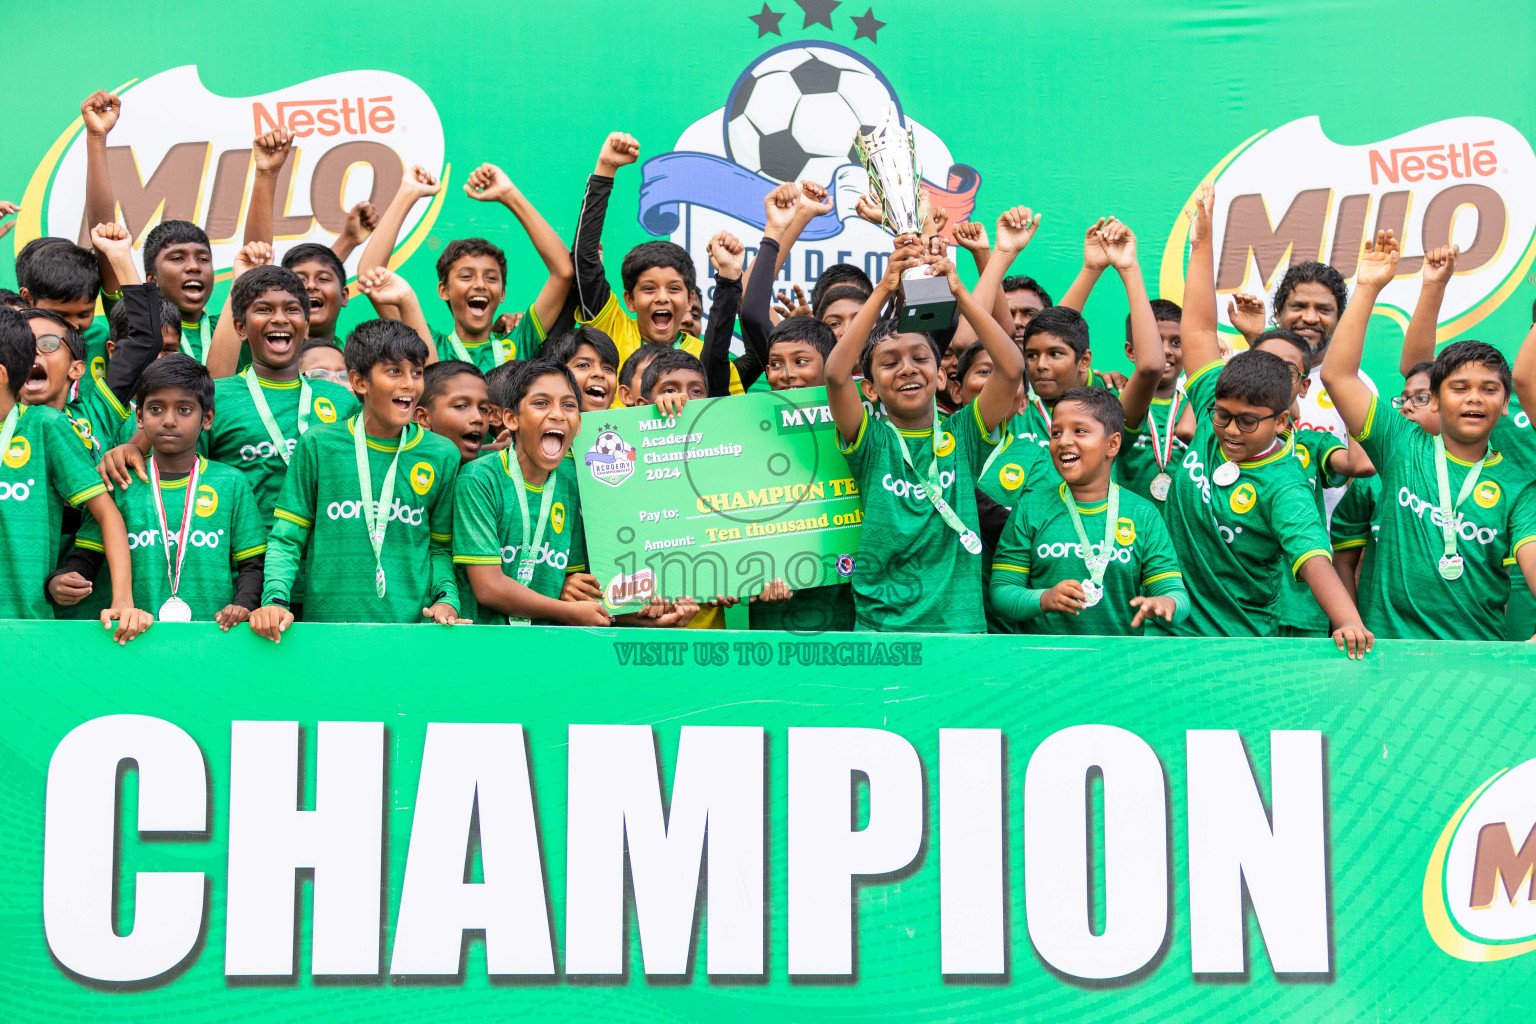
<point>1479,900</point>
<point>195,539</point>
<point>16,490</point>
<point>1292,194</point>
<point>180,152</point>
<point>354,509</point>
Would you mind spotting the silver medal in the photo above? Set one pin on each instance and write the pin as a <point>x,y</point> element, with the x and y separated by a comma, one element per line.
<point>1160,485</point>
<point>1451,567</point>
<point>174,610</point>
<point>971,542</point>
<point>1092,593</point>
<point>1226,474</point>
<point>378,581</point>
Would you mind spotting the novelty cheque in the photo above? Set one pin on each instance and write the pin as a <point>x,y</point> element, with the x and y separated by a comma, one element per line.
<point>719,500</point>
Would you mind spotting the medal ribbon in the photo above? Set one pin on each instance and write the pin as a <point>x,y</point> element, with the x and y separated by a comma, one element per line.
<point>1447,510</point>
<point>1161,455</point>
<point>1099,561</point>
<point>203,333</point>
<point>376,518</point>
<point>186,520</point>
<point>462,353</point>
<point>306,400</point>
<point>1039,407</point>
<point>932,490</point>
<point>529,552</point>
<point>9,429</point>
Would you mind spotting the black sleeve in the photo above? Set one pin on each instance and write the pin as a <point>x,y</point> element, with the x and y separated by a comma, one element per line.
<point>565,320</point>
<point>755,324</point>
<point>81,560</point>
<point>716,353</point>
<point>591,283</point>
<point>250,574</point>
<point>141,347</point>
<point>991,517</point>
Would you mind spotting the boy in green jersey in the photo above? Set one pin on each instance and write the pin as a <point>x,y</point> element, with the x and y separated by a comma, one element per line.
<point>918,566</point>
<point>518,539</point>
<point>593,360</point>
<point>196,538</point>
<point>260,414</point>
<point>1239,502</point>
<point>456,405</point>
<point>1087,557</point>
<point>1453,508</point>
<point>325,280</point>
<point>59,276</point>
<point>1152,451</point>
<point>44,466</point>
<point>368,503</point>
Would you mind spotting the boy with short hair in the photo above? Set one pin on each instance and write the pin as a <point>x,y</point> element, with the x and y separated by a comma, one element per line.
<point>1240,511</point>
<point>658,277</point>
<point>455,404</point>
<point>368,503</point>
<point>918,567</point>
<point>838,275</point>
<point>518,540</point>
<point>178,259</point>
<point>325,281</point>
<point>61,277</point>
<point>838,306</point>
<point>1049,574</point>
<point>1455,508</point>
<point>1154,449</point>
<point>200,539</point>
<point>632,370</point>
<point>44,466</point>
<point>671,380</point>
<point>593,360</point>
<point>322,359</point>
<point>1025,297</point>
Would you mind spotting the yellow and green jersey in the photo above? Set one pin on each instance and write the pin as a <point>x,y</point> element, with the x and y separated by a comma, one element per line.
<point>1034,424</point>
<point>98,416</point>
<point>1299,611</point>
<point>613,321</point>
<point>226,529</point>
<point>488,529</point>
<point>1040,548</point>
<point>1237,542</point>
<point>319,520</point>
<point>1408,598</point>
<point>45,467</point>
<point>1136,465</point>
<point>912,572</point>
<point>521,342</point>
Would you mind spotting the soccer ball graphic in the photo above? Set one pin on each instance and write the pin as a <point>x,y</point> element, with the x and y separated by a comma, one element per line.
<point>610,444</point>
<point>793,113</point>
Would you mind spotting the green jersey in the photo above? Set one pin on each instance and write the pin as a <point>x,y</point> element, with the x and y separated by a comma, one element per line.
<point>1516,441</point>
<point>1136,466</point>
<point>98,416</point>
<point>1034,423</point>
<point>1237,541</point>
<point>521,342</point>
<point>1040,548</point>
<point>1014,470</point>
<point>226,529</point>
<point>45,466</point>
<point>488,529</point>
<point>95,338</point>
<point>1408,597</point>
<point>320,516</point>
<point>1299,612</point>
<point>1354,522</point>
<point>238,437</point>
<point>912,572</point>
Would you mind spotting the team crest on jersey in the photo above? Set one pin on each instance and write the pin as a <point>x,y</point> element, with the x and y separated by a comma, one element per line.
<point>946,444</point>
<point>1304,457</point>
<point>99,367</point>
<point>18,453</point>
<point>1011,476</point>
<point>557,516</point>
<point>82,428</point>
<point>1243,498</point>
<point>422,476</point>
<point>206,502</point>
<point>845,565</point>
<point>1125,532</point>
<point>325,410</point>
<point>1487,494</point>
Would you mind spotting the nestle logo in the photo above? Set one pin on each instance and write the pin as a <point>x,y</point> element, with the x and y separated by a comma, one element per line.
<point>351,116</point>
<point>1436,163</point>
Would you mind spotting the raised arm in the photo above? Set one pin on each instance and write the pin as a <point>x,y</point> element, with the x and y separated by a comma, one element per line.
<point>361,220</point>
<point>1146,342</point>
<point>780,208</point>
<point>1419,339</point>
<point>389,291</point>
<point>270,152</point>
<point>592,289</point>
<point>842,392</point>
<point>1095,259</point>
<point>811,201</point>
<point>1525,371</point>
<point>489,183</point>
<point>100,112</point>
<point>1197,326</point>
<point>725,255</point>
<point>1341,366</point>
<point>416,183</point>
<point>223,355</point>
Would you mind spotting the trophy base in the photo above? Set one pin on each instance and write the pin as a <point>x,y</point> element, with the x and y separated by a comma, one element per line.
<point>928,304</point>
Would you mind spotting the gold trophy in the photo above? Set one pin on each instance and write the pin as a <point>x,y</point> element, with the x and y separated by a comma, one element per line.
<point>889,154</point>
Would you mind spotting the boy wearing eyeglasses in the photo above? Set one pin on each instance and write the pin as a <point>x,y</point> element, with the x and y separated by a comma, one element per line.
<point>1240,503</point>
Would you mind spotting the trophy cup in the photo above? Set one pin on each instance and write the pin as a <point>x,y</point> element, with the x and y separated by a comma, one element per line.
<point>889,155</point>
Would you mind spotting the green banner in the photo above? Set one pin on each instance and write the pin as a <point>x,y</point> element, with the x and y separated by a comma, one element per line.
<point>1114,829</point>
<point>721,499</point>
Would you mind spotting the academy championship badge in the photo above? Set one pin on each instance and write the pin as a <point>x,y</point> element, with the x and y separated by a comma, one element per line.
<point>611,459</point>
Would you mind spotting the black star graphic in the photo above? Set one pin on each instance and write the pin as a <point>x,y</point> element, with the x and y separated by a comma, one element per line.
<point>868,26</point>
<point>766,21</point>
<point>818,12</point>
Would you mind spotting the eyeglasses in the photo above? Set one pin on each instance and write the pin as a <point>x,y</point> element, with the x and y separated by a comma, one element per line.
<point>334,376</point>
<point>1419,399</point>
<point>1247,424</point>
<point>49,343</point>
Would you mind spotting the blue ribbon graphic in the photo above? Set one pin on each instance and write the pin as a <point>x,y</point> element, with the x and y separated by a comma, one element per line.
<point>715,183</point>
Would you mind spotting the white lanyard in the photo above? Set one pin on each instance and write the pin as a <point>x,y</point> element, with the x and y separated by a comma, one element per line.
<point>263,410</point>
<point>528,553</point>
<point>202,340</point>
<point>1452,564</point>
<point>376,517</point>
<point>1096,561</point>
<point>462,353</point>
<point>933,491</point>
